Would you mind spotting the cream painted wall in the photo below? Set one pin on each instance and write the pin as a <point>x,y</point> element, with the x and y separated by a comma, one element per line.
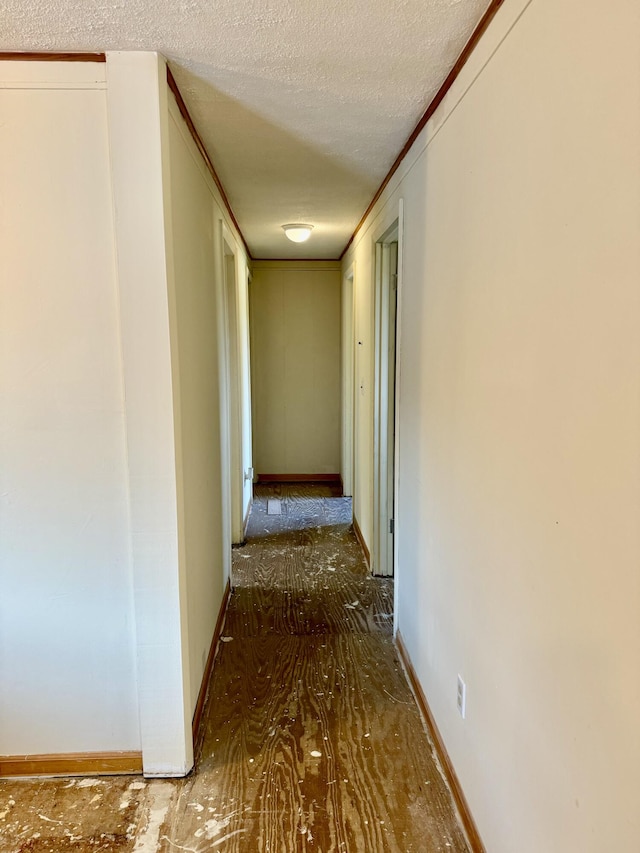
<point>295,343</point>
<point>348,344</point>
<point>198,362</point>
<point>115,542</point>
<point>139,146</point>
<point>519,490</point>
<point>67,645</point>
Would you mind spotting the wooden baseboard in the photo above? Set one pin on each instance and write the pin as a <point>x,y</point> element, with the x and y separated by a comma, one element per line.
<point>71,764</point>
<point>466,818</point>
<point>298,478</point>
<point>204,686</point>
<point>360,538</point>
<point>40,56</point>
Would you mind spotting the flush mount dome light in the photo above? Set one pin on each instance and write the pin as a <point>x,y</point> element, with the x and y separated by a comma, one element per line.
<point>298,232</point>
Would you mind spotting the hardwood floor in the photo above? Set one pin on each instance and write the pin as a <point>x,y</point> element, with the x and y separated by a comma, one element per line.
<point>313,741</point>
<point>311,738</point>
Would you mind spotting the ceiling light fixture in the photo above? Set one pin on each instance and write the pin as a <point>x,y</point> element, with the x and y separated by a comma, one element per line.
<point>298,232</point>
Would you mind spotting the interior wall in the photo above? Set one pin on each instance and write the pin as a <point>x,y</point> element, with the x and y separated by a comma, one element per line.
<point>67,645</point>
<point>197,364</point>
<point>115,543</point>
<point>348,344</point>
<point>519,485</point>
<point>139,146</point>
<point>197,308</point>
<point>295,349</point>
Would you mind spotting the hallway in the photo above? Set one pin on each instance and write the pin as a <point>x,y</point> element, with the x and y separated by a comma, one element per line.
<point>311,738</point>
<point>165,345</point>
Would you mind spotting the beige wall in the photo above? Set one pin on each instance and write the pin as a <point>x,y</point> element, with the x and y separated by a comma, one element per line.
<point>67,645</point>
<point>519,492</point>
<point>169,224</point>
<point>198,365</point>
<point>348,347</point>
<point>295,349</point>
<point>114,526</point>
<point>139,146</point>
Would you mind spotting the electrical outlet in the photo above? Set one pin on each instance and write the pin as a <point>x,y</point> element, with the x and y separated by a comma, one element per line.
<point>462,697</point>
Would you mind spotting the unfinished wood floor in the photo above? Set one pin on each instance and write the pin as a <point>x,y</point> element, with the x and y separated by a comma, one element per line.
<point>312,740</point>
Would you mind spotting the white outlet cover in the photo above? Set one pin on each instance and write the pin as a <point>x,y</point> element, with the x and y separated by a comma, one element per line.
<point>462,698</point>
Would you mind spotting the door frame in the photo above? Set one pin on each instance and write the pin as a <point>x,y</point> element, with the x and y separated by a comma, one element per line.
<point>232,383</point>
<point>386,424</point>
<point>383,452</point>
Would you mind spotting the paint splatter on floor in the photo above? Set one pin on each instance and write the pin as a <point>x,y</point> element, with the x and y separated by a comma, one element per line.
<point>107,815</point>
<point>311,738</point>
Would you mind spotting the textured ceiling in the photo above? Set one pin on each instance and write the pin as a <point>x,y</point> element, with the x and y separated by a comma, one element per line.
<point>303,106</point>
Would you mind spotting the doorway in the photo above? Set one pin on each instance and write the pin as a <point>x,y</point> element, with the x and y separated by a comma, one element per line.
<point>384,465</point>
<point>234,398</point>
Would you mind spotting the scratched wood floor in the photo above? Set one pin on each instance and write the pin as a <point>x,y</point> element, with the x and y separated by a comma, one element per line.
<point>312,738</point>
<point>312,741</point>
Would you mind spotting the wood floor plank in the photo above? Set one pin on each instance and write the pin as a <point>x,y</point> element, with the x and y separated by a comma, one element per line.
<point>313,741</point>
<point>318,739</point>
<point>83,815</point>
